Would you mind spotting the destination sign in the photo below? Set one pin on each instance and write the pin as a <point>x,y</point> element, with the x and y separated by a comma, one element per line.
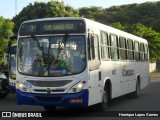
<point>53,27</point>
<point>67,26</point>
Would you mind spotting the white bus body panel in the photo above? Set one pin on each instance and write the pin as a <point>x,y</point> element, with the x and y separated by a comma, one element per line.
<point>95,88</point>
<point>112,70</point>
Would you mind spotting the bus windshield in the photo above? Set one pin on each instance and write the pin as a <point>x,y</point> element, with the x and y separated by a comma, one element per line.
<point>51,56</point>
<point>13,62</point>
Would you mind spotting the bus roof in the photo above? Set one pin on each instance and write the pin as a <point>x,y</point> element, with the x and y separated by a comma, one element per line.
<point>96,25</point>
<point>112,30</point>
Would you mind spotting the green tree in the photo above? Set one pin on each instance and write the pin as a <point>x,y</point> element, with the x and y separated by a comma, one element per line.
<point>140,19</point>
<point>44,10</point>
<point>147,33</point>
<point>147,14</point>
<point>93,13</point>
<point>6,27</point>
<point>118,26</point>
<point>150,35</point>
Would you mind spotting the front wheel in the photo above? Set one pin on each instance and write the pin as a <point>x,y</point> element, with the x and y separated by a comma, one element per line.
<point>49,108</point>
<point>105,100</point>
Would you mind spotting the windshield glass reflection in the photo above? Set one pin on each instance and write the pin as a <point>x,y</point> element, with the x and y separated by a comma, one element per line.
<point>52,56</point>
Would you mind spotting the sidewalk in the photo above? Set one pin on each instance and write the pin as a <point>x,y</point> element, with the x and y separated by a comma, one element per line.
<point>155,77</point>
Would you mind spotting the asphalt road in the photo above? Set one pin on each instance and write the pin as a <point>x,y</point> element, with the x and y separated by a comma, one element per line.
<point>149,101</point>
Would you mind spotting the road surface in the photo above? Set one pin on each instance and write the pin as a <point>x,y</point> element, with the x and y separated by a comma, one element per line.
<point>149,101</point>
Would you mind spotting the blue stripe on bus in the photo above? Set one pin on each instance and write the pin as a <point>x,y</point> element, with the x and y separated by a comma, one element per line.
<point>76,99</point>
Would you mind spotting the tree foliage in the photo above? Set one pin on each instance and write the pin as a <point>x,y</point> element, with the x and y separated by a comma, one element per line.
<point>6,27</point>
<point>93,13</point>
<point>151,35</point>
<point>139,19</point>
<point>148,33</point>
<point>44,10</point>
<point>142,20</point>
<point>147,14</point>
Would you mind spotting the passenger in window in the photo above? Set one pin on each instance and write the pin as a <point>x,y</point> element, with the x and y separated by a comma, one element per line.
<point>38,66</point>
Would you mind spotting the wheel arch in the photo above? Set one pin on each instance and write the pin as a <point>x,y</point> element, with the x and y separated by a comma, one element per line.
<point>108,86</point>
<point>138,79</point>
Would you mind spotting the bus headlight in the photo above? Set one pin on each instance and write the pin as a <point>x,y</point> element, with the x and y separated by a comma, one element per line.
<point>76,88</point>
<point>22,87</point>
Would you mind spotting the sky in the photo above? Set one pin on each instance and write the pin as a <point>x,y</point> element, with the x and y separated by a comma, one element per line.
<point>7,7</point>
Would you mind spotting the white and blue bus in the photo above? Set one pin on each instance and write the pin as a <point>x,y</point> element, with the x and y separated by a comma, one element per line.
<point>78,62</point>
<point>12,68</point>
<point>10,61</point>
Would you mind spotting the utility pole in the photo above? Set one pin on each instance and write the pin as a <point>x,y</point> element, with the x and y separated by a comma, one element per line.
<point>15,7</point>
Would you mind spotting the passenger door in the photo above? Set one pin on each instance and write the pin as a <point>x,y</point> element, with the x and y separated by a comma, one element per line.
<point>94,70</point>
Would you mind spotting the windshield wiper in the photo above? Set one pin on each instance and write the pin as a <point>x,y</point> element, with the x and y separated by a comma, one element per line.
<point>64,40</point>
<point>36,42</point>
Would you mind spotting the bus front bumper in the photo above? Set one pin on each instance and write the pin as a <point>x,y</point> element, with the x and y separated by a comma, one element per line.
<point>76,99</point>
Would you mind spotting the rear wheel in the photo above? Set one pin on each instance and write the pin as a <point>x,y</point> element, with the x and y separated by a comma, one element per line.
<point>137,92</point>
<point>49,108</point>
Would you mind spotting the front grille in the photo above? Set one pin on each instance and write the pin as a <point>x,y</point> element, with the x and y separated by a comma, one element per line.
<point>49,83</point>
<point>40,90</point>
<point>48,99</point>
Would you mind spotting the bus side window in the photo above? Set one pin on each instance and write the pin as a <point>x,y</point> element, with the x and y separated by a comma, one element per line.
<point>89,46</point>
<point>142,52</point>
<point>136,49</point>
<point>123,48</point>
<point>104,46</point>
<point>93,50</point>
<point>114,47</point>
<point>96,48</point>
<point>130,50</point>
<point>146,52</point>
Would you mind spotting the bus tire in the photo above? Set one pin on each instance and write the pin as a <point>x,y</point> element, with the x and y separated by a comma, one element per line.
<point>49,108</point>
<point>137,92</point>
<point>105,100</point>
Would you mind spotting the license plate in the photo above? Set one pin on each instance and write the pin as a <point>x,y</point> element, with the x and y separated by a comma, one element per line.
<point>76,100</point>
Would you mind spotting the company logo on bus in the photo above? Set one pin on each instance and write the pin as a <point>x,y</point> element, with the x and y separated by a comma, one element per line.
<point>127,72</point>
<point>48,90</point>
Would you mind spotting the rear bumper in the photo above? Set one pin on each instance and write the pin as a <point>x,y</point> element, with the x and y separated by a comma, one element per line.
<point>77,100</point>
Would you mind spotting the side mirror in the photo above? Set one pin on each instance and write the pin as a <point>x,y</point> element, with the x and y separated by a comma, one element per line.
<point>8,49</point>
<point>5,58</point>
<point>10,38</point>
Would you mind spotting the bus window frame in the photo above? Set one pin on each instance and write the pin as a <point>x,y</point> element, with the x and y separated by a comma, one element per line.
<point>142,52</point>
<point>105,46</point>
<point>114,47</point>
<point>130,50</point>
<point>137,52</point>
<point>123,48</point>
<point>93,62</point>
<point>146,52</point>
